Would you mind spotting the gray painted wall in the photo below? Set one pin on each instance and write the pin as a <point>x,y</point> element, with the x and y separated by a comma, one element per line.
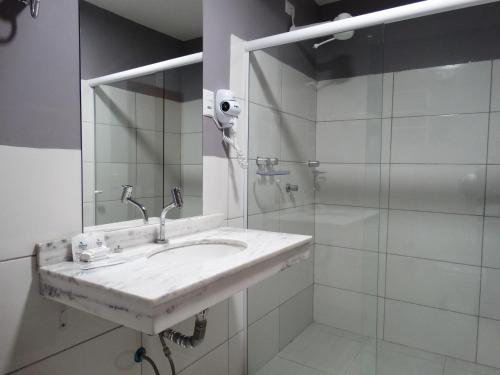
<point>39,75</point>
<point>110,43</point>
<point>460,36</point>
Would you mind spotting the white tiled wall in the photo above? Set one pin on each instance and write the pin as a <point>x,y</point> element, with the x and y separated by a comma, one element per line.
<point>282,112</point>
<point>432,258</point>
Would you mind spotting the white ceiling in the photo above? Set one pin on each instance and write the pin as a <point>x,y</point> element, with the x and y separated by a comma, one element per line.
<point>181,19</point>
<point>324,2</point>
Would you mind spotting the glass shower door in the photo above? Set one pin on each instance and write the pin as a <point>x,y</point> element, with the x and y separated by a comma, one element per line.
<point>316,130</point>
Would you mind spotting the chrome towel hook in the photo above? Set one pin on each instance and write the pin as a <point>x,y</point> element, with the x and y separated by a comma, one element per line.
<point>34,6</point>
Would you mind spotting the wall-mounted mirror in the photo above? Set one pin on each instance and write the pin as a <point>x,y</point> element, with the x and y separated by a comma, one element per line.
<point>141,130</point>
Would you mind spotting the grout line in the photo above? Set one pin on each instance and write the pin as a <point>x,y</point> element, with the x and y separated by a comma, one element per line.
<point>17,258</point>
<point>64,350</point>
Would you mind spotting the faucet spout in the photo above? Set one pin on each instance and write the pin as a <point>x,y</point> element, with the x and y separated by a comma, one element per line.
<point>127,198</point>
<point>176,203</point>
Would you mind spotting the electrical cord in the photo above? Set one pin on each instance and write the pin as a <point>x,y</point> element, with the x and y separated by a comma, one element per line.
<point>240,156</point>
<point>153,365</point>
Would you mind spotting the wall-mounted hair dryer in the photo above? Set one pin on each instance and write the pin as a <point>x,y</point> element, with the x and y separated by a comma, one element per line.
<point>227,108</point>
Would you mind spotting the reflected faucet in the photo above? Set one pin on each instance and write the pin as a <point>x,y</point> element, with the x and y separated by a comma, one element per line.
<point>127,198</point>
<point>176,203</point>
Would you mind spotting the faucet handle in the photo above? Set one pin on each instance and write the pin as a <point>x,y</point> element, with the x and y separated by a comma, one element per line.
<point>177,197</point>
<point>126,192</point>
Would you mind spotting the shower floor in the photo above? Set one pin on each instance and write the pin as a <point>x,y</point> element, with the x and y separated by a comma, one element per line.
<point>323,350</point>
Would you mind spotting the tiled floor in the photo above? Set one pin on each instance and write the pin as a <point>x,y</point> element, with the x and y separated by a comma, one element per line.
<point>323,350</point>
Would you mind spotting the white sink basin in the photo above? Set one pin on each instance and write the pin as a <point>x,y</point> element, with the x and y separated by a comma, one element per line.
<point>188,252</point>
<point>156,286</point>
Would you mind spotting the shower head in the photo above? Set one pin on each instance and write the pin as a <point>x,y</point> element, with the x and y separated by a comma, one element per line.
<point>338,36</point>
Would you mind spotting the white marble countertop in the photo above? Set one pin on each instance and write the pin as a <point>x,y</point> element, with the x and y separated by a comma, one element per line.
<point>148,295</point>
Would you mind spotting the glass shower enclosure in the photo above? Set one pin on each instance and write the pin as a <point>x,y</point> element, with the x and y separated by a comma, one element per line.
<point>384,148</point>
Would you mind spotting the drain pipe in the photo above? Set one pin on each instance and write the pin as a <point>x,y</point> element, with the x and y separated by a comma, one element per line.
<point>200,327</point>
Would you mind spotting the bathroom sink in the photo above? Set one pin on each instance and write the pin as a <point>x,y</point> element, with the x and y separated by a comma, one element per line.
<point>205,250</point>
<point>154,286</point>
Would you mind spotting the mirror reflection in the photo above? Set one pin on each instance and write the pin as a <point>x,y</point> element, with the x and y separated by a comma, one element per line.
<point>141,134</point>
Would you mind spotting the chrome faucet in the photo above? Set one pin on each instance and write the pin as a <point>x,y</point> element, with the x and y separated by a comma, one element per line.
<point>176,203</point>
<point>127,198</point>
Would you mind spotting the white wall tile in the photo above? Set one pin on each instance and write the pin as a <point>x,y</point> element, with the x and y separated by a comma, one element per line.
<point>491,242</point>
<point>443,285</point>
<point>263,194</point>
<point>440,139</point>
<point>489,342</point>
<point>172,176</point>
<point>352,227</point>
<point>149,111</point>
<point>385,154</point>
<point>237,312</point>
<point>490,293</point>
<point>494,137</point>
<point>268,221</point>
<point>115,144</point>
<point>172,116</point>
<point>265,79</point>
<point>149,180</point>
<point>438,188</point>
<point>298,220</point>
<point>388,83</point>
<point>88,152</point>
<point>111,176</point>
<point>237,347</point>
<point>263,132</point>
<point>349,184</point>
<point>460,88</point>
<point>216,334</point>
<point>214,363</point>
<point>346,310</point>
<point>344,268</point>
<point>448,237</point>
<point>114,106</point>
<point>295,315</point>
<point>215,185</point>
<point>275,290</point>
<point>191,145</point>
<point>31,324</point>
<point>193,206</point>
<point>298,93</point>
<point>149,147</point>
<point>350,98</point>
<point>355,141</point>
<point>56,175</point>
<point>192,180</point>
<point>493,191</point>
<point>430,329</point>
<point>172,148</point>
<point>299,175</point>
<point>263,341</point>
<point>298,139</point>
<point>191,116</point>
<point>495,89</point>
<point>112,211</point>
<point>236,181</point>
<point>111,354</point>
<point>263,297</point>
<point>237,222</point>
